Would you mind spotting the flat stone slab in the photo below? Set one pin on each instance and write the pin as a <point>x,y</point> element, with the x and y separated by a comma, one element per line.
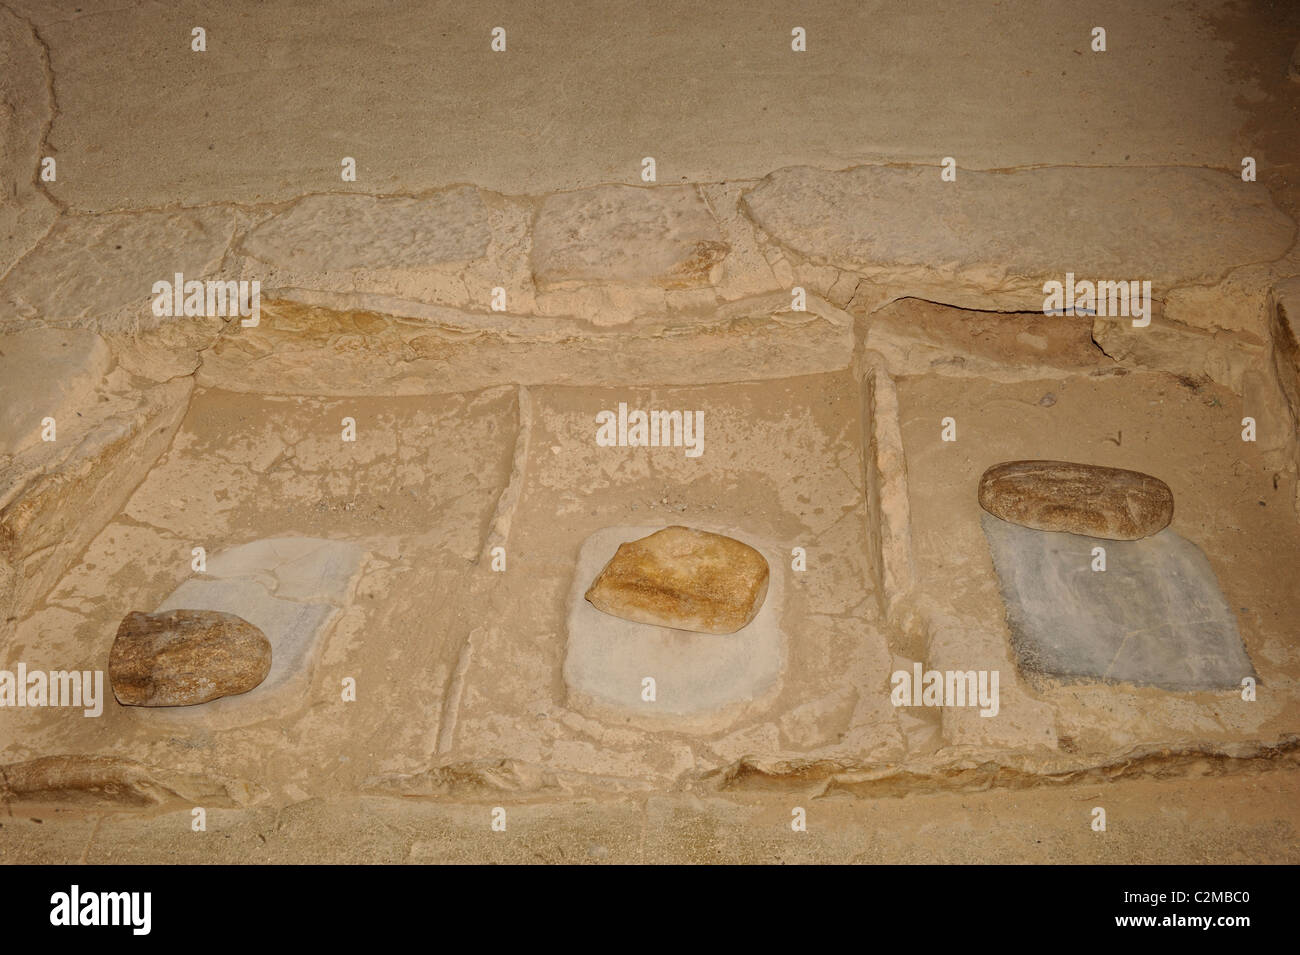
<point>89,267</point>
<point>1019,228</point>
<point>702,681</point>
<point>661,235</point>
<point>323,233</point>
<point>55,497</point>
<point>303,569</point>
<point>1154,616</point>
<point>290,588</point>
<point>47,372</point>
<point>917,337</point>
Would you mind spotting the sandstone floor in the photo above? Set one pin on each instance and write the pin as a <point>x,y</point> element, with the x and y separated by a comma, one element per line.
<point>499,273</point>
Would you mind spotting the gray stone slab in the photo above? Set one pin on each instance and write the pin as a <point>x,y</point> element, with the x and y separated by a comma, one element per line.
<point>293,568</point>
<point>1154,616</point>
<point>703,681</point>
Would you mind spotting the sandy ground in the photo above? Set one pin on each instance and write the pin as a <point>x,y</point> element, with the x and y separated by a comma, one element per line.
<point>476,428</point>
<point>1238,820</point>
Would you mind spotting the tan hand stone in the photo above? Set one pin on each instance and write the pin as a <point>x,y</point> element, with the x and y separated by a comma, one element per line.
<point>683,578</point>
<point>182,657</point>
<point>1085,499</point>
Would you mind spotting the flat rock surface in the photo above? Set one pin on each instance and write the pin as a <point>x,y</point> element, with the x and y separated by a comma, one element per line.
<point>303,569</point>
<point>685,579</point>
<point>1021,227</point>
<point>90,267</point>
<point>696,674</point>
<point>1113,503</point>
<point>585,90</point>
<point>47,372</point>
<point>183,657</point>
<point>290,588</point>
<point>322,233</point>
<point>664,236</point>
<point>1155,616</point>
<point>25,102</point>
<point>55,496</point>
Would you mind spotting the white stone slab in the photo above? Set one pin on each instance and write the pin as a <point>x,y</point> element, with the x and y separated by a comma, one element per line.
<point>292,589</point>
<point>704,682</point>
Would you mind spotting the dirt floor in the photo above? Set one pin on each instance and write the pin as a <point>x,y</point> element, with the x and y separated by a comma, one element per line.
<point>470,477</point>
<point>1190,820</point>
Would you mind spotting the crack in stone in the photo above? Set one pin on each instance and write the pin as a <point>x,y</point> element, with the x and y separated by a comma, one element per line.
<point>43,144</point>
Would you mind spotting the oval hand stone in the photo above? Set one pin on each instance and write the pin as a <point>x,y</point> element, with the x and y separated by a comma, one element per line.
<point>683,578</point>
<point>182,657</point>
<point>1085,499</point>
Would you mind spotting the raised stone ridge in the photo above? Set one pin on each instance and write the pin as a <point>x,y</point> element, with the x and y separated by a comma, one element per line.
<point>90,267</point>
<point>663,235</point>
<point>323,233</point>
<point>1171,226</point>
